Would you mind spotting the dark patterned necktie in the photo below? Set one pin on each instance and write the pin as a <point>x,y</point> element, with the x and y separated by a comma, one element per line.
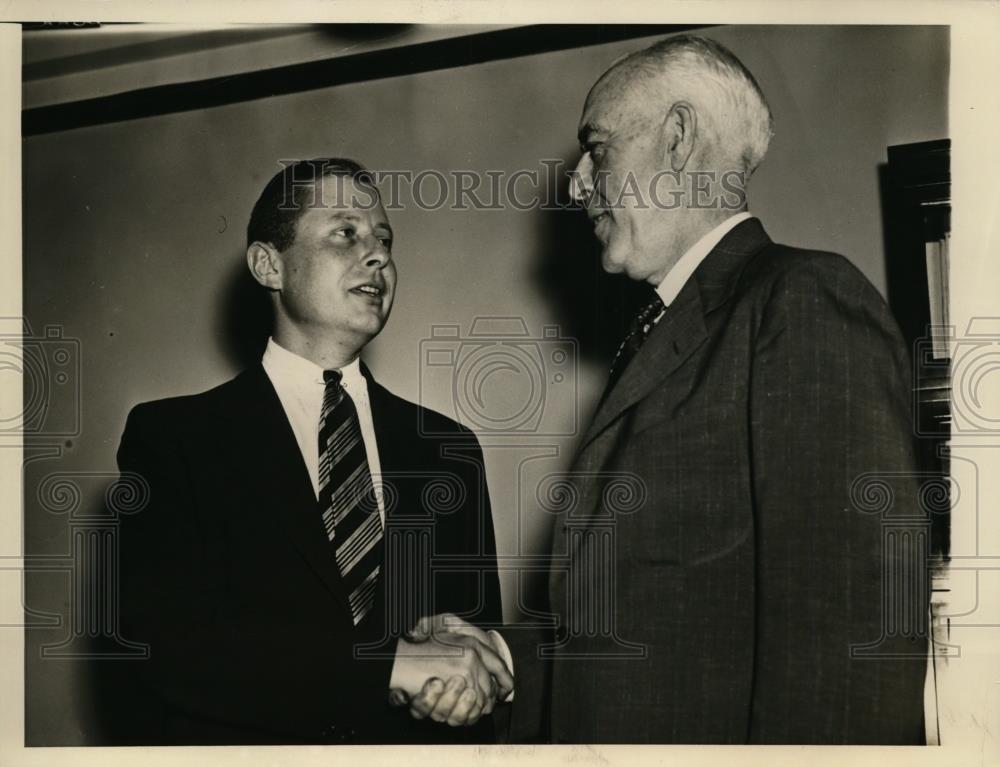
<point>640,327</point>
<point>347,497</point>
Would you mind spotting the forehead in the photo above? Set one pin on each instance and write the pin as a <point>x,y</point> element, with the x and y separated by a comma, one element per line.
<point>613,99</point>
<point>336,197</point>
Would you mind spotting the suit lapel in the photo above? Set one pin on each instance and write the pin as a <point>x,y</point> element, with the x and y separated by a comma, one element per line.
<point>678,333</point>
<point>390,431</point>
<point>397,434</point>
<point>284,492</point>
<point>683,327</point>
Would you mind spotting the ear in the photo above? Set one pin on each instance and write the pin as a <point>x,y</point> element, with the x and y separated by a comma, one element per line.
<point>264,262</point>
<point>680,130</point>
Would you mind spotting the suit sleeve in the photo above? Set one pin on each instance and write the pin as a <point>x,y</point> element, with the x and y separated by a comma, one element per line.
<point>207,658</point>
<point>483,598</point>
<point>465,580</point>
<point>830,403</point>
<point>488,585</point>
<point>454,490</point>
<point>525,718</point>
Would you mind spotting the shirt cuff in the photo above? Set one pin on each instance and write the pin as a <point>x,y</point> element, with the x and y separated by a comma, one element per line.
<point>501,645</point>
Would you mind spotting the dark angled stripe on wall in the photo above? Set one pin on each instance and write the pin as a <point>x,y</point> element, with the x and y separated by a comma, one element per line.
<point>295,78</point>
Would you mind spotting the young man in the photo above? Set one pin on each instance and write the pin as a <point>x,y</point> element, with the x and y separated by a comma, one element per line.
<point>287,545</point>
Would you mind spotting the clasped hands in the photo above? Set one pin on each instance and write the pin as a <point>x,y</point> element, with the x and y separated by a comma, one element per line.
<point>449,670</point>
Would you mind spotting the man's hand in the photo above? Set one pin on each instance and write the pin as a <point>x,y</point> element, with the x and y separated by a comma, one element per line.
<point>451,701</point>
<point>428,626</point>
<point>449,671</point>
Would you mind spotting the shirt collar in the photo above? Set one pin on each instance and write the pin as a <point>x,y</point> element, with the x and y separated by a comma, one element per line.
<point>292,369</point>
<point>680,272</point>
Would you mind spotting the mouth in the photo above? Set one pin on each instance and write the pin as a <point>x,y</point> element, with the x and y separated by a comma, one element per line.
<point>369,291</point>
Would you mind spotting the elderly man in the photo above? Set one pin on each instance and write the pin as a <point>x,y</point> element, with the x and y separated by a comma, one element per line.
<point>270,579</point>
<point>739,602</point>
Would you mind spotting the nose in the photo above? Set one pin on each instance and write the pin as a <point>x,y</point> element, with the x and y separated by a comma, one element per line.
<point>378,254</point>
<point>581,183</point>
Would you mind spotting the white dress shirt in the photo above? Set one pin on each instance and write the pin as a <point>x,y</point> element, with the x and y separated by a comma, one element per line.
<point>681,272</point>
<point>300,386</point>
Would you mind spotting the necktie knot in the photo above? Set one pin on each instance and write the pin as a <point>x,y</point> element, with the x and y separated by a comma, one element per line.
<point>333,393</point>
<point>640,327</point>
<point>332,377</point>
<point>648,315</point>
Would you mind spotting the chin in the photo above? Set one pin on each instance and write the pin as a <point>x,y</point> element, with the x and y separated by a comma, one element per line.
<point>369,329</point>
<point>376,327</point>
<point>638,274</point>
<point>610,265</point>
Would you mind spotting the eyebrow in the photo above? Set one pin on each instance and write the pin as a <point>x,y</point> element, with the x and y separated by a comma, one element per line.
<point>344,215</point>
<point>585,130</point>
<point>355,218</point>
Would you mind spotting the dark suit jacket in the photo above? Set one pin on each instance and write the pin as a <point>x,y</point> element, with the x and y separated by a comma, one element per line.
<point>742,581</point>
<point>227,574</point>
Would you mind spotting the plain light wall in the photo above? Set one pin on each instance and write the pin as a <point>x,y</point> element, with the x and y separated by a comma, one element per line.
<point>134,243</point>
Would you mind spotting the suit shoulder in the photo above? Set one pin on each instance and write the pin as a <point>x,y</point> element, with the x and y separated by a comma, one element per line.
<point>180,409</point>
<point>433,422</point>
<point>445,425</point>
<point>823,296</point>
<point>786,261</point>
<point>783,271</point>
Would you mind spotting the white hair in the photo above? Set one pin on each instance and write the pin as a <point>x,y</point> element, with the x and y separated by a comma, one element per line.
<point>706,74</point>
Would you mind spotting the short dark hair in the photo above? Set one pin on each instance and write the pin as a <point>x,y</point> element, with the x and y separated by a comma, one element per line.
<point>273,219</point>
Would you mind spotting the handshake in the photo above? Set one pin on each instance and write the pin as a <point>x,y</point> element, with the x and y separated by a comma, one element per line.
<point>450,671</point>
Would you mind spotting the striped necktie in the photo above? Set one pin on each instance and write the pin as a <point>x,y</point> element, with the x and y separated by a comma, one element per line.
<point>347,497</point>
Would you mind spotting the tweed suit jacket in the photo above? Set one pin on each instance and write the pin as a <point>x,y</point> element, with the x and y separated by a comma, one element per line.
<point>739,598</point>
